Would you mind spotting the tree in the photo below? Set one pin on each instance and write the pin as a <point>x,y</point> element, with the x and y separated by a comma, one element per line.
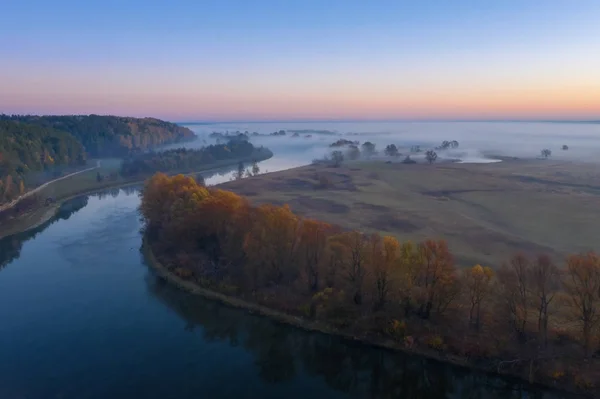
<point>368,148</point>
<point>514,291</point>
<point>391,150</point>
<point>337,158</point>
<point>415,148</point>
<point>545,283</point>
<point>273,242</point>
<point>431,156</point>
<point>353,251</point>
<point>255,169</point>
<point>99,177</point>
<point>436,277</point>
<point>353,152</point>
<point>546,153</point>
<point>408,160</point>
<point>240,171</point>
<point>565,147</point>
<point>478,283</point>
<point>454,144</point>
<point>313,247</point>
<point>383,259</point>
<point>582,285</point>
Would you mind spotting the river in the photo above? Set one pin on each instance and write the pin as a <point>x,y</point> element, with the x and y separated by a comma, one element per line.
<point>82,316</point>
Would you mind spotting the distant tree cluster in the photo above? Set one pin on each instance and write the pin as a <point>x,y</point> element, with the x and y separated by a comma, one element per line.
<point>365,284</point>
<point>447,144</point>
<point>391,150</point>
<point>343,142</point>
<point>183,159</point>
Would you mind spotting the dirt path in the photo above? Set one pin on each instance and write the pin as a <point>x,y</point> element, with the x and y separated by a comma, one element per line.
<point>39,188</point>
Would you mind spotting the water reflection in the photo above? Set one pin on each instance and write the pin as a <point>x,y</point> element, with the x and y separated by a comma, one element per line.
<point>10,247</point>
<point>281,353</point>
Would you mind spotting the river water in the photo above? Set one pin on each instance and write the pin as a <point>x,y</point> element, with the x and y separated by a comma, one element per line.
<point>82,316</point>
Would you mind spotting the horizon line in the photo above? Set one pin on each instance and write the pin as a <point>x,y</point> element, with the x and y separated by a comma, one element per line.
<point>205,122</point>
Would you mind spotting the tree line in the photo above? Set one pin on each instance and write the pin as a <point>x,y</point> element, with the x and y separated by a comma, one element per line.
<point>26,148</point>
<point>183,159</point>
<point>531,316</point>
<point>35,149</point>
<point>108,136</point>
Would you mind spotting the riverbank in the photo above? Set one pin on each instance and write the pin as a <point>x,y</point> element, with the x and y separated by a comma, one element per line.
<point>43,213</point>
<point>325,328</point>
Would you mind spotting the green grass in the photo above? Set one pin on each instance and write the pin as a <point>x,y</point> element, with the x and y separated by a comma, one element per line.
<point>485,212</point>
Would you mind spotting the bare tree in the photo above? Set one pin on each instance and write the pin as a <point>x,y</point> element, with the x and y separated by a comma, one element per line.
<point>582,285</point>
<point>513,282</point>
<point>545,282</point>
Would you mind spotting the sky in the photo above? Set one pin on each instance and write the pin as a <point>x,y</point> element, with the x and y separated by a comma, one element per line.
<point>232,60</point>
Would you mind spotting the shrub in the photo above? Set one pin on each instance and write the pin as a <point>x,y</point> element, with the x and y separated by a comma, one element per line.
<point>435,342</point>
<point>396,330</point>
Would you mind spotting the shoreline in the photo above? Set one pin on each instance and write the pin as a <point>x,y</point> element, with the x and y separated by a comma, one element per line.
<point>43,214</point>
<point>324,328</point>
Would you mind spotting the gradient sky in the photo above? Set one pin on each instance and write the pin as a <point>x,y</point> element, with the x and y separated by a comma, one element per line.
<point>302,59</point>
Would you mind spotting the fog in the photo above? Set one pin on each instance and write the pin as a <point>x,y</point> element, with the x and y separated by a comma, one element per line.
<point>479,141</point>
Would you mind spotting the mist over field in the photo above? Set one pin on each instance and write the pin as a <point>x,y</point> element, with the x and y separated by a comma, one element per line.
<point>479,141</point>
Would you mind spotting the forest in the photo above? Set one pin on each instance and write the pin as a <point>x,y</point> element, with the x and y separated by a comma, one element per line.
<point>532,317</point>
<point>35,149</point>
<point>110,136</point>
<point>26,148</point>
<point>183,159</point>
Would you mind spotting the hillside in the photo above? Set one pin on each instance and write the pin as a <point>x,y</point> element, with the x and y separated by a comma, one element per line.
<point>26,148</point>
<point>110,136</point>
<point>36,149</point>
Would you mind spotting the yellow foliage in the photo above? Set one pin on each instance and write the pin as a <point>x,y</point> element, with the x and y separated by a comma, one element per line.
<point>435,342</point>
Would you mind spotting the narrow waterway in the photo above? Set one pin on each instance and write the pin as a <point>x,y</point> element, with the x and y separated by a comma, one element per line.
<point>82,316</point>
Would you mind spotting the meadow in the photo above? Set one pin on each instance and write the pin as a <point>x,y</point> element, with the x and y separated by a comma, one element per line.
<point>486,212</point>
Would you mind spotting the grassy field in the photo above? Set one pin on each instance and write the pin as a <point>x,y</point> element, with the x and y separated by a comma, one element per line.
<point>486,212</point>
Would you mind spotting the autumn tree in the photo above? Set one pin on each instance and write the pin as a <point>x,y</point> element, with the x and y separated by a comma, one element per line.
<point>313,249</point>
<point>477,282</point>
<point>383,258</point>
<point>582,286</point>
<point>514,286</point>
<point>353,251</point>
<point>436,277</point>
<point>275,236</point>
<point>544,284</point>
<point>406,274</point>
<point>221,233</point>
